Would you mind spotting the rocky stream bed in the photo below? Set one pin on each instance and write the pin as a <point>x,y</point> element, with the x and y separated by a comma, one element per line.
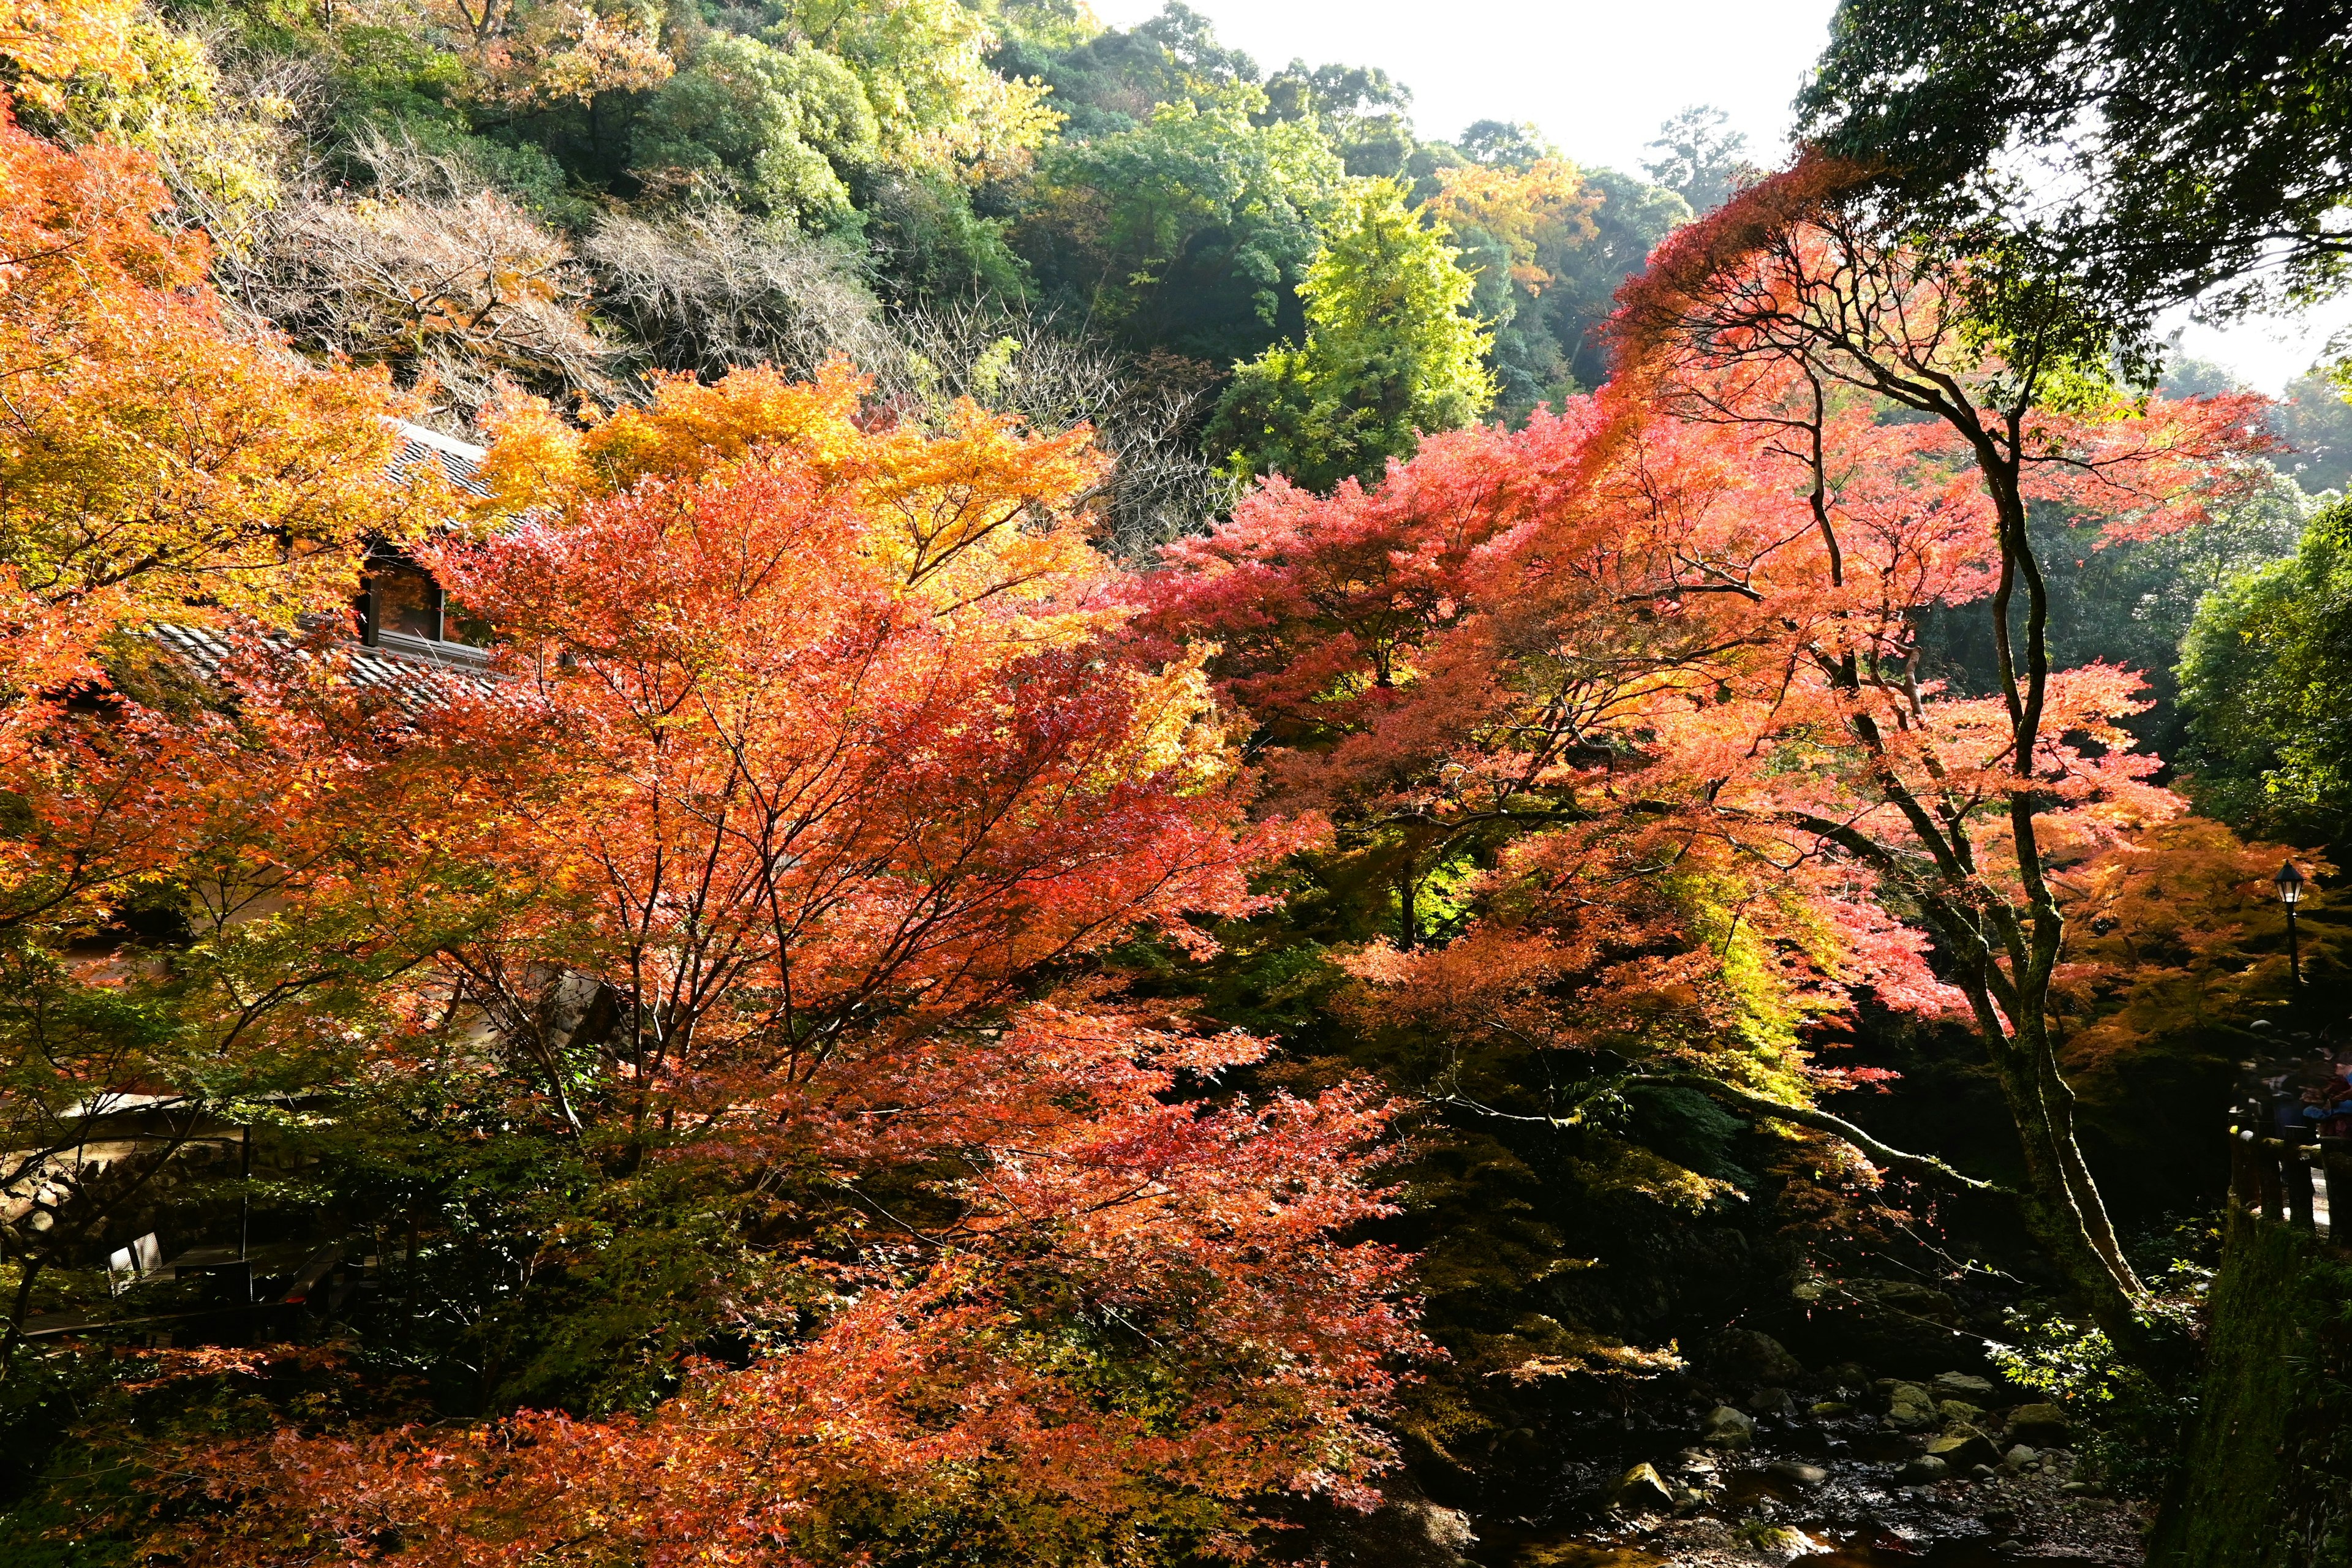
<point>1839,1469</point>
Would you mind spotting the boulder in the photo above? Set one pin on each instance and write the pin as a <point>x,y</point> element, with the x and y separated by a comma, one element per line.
<point>1729,1428</point>
<point>1847,1375</point>
<point>1797,1471</point>
<point>1407,1531</point>
<point>1743,1355</point>
<point>1964,1450</point>
<point>2042,1425</point>
<point>1445,1529</point>
<point>1641,1487</point>
<point>1831,1408</point>
<point>1926,1468</point>
<point>2019,1455</point>
<point>1962,1386</point>
<point>1911,1407</point>
<point>1960,1413</point>
<point>1771,1402</point>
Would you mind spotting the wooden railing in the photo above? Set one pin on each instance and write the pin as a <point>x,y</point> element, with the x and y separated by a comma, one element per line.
<point>2306,1184</point>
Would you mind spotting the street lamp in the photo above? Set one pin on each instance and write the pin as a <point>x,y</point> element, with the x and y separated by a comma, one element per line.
<point>2289,882</point>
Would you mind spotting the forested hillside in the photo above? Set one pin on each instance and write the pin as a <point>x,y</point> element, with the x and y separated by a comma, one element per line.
<point>570,201</point>
<point>900,782</point>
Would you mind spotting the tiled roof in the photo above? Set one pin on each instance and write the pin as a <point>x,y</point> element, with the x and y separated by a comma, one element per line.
<point>459,461</point>
<point>401,670</point>
<point>398,664</point>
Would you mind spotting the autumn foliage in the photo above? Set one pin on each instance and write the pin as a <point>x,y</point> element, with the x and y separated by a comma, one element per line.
<point>816,750</point>
<point>1654,661</point>
<point>152,468</point>
<point>52,40</point>
<point>788,870</point>
<point>816,760</point>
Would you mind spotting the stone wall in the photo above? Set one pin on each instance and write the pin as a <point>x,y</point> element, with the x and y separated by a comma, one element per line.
<point>2266,1477</point>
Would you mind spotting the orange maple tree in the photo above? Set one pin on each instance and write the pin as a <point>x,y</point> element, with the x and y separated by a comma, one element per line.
<point>819,753</point>
<point>1547,206</point>
<point>1791,327</point>
<point>153,467</point>
<point>52,40</point>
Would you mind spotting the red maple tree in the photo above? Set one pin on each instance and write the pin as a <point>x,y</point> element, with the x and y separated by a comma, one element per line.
<point>1659,654</point>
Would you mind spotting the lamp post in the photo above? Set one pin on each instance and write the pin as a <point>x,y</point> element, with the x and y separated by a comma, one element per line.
<point>2289,882</point>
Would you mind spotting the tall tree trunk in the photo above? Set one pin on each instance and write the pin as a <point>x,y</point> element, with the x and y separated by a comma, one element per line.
<point>2062,1203</point>
<point>2040,1101</point>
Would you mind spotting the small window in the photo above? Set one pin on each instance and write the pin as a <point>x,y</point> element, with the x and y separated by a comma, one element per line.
<point>408,602</point>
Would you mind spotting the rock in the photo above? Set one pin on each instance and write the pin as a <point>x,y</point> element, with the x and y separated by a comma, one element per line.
<point>1447,1529</point>
<point>2040,1426</point>
<point>1848,1374</point>
<point>1743,1355</point>
<point>1783,1543</point>
<point>1982,1472</point>
<point>1910,1408</point>
<point>1962,1386</point>
<point>1729,1428</point>
<point>1641,1487</point>
<point>2079,1488</point>
<point>1960,1412</point>
<point>1926,1468</point>
<point>1831,1408</point>
<point>1804,1475</point>
<point>1407,1531</point>
<point>2020,1456</point>
<point>1771,1402</point>
<point>1964,1450</point>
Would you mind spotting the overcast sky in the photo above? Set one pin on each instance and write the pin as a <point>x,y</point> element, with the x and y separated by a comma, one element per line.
<point>1599,76</point>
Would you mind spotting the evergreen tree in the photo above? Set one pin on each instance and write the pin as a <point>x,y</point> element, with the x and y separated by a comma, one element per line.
<point>1389,354</point>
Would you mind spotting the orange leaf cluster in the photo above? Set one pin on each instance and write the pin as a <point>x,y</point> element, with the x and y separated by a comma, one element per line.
<point>1545,205</point>
<point>52,40</point>
<point>152,467</point>
<point>819,747</point>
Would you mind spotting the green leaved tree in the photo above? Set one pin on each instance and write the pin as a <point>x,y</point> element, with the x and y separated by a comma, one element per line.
<point>1391,354</point>
<point>2262,672</point>
<point>783,124</point>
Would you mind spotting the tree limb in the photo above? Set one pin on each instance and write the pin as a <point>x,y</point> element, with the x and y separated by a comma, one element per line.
<point>1922,1165</point>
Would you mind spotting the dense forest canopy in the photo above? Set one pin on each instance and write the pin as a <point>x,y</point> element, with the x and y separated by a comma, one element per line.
<point>902,782</point>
